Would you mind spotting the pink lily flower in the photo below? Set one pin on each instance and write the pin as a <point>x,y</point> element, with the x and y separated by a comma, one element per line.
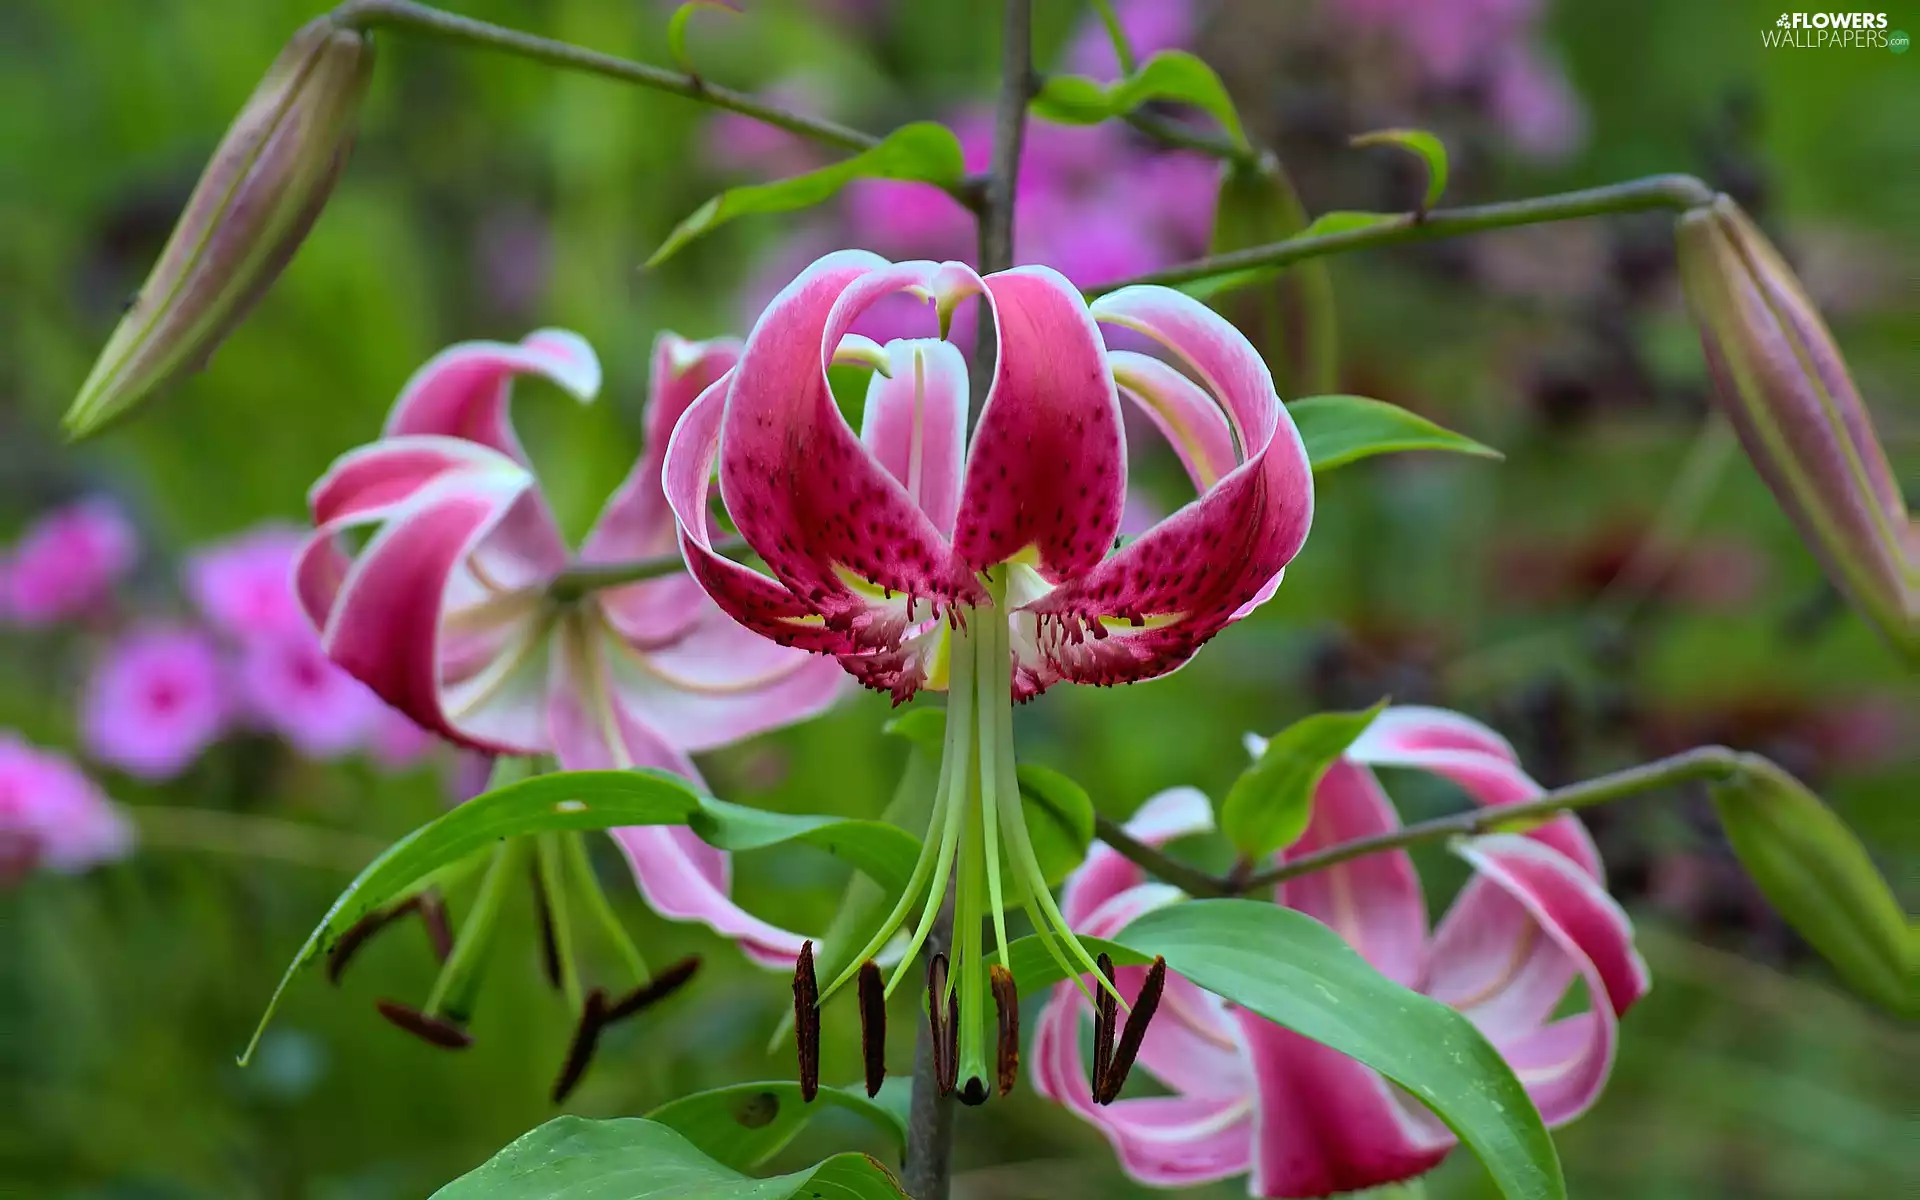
<point>985,566</point>
<point>448,614</point>
<point>1249,1097</point>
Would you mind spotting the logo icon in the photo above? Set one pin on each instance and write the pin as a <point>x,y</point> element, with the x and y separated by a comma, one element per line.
<point>1784,21</point>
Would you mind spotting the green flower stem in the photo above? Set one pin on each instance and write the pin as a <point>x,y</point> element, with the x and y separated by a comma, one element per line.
<point>581,579</point>
<point>450,27</point>
<point>547,861</point>
<point>580,866</point>
<point>1678,192</point>
<point>1702,764</point>
<point>453,992</point>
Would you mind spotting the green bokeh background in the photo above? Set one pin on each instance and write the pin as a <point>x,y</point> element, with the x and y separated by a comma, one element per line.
<point>126,993</point>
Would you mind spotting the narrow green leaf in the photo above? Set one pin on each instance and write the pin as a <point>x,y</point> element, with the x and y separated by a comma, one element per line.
<point>586,800</point>
<point>1432,152</point>
<point>1268,806</point>
<point>924,151</point>
<point>677,28</point>
<point>1035,970</point>
<point>1817,874</point>
<point>1116,34</point>
<point>1059,817</point>
<point>745,1124</point>
<point>1293,323</point>
<point>1339,430</point>
<point>1169,75</point>
<point>571,1158</point>
<point>1296,972</point>
<point>925,727</point>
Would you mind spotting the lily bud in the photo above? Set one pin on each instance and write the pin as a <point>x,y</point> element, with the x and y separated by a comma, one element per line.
<point>253,206</point>
<point>1784,386</point>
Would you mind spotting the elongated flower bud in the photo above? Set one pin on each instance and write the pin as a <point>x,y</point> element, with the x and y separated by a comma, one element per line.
<point>1783,384</point>
<point>253,206</point>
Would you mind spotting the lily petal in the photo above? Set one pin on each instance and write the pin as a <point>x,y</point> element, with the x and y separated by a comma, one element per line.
<point>1564,1063</point>
<point>807,495</point>
<point>1374,902</point>
<point>1105,873</point>
<point>681,877</point>
<point>1325,1123</point>
<point>1048,466</point>
<point>916,423</point>
<point>1192,421</point>
<point>1480,761</point>
<point>463,391</point>
<point>636,521</point>
<point>383,623</point>
<point>1147,609</point>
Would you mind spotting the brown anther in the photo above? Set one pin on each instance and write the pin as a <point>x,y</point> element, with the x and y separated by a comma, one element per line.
<point>806,1022</point>
<point>1130,1038</point>
<point>873,1025</point>
<point>1007,1001</point>
<point>663,984</point>
<point>549,944</point>
<point>360,933</point>
<point>434,1031</point>
<point>1106,1014</point>
<point>586,1036</point>
<point>943,1026</point>
<point>433,914</point>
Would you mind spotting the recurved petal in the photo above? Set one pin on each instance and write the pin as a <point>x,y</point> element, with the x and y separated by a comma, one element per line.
<point>383,611</point>
<point>463,391</point>
<point>1480,761</point>
<point>916,423</point>
<point>1564,1063</point>
<point>756,601</point>
<point>1162,1141</point>
<point>1047,469</point>
<point>1189,418</point>
<point>636,521</point>
<point>1325,1124</point>
<point>830,521</point>
<point>1147,609</point>
<point>1374,902</point>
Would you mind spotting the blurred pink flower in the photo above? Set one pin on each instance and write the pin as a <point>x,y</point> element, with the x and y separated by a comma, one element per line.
<point>447,612</point>
<point>1250,1097</point>
<point>67,562</point>
<point>1150,26</point>
<point>156,700</point>
<point>743,144</point>
<point>290,685</point>
<point>244,586</point>
<point>1535,105</point>
<point>52,815</point>
<point>394,741</point>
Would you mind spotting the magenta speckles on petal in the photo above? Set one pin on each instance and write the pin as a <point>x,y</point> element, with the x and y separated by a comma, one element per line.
<point>1048,464</point>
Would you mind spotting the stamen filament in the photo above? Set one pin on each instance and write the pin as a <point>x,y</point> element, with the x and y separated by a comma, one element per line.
<point>992,749</point>
<point>574,844</point>
<point>459,981</point>
<point>548,869</point>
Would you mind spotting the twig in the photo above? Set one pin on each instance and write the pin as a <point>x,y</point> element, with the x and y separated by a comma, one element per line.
<point>1657,191</point>
<point>581,578</point>
<point>1701,763</point>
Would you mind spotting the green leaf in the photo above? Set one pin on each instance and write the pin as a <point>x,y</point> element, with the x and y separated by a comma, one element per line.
<point>571,1158</point>
<point>1339,221</point>
<point>1034,970</point>
<point>1817,874</point>
<point>677,28</point>
<point>1059,820</point>
<point>925,727</point>
<point>1268,806</point>
<point>1296,972</point>
<point>1116,34</point>
<point>1293,324</point>
<point>884,853</point>
<point>1339,430</point>
<point>1169,75</point>
<point>744,1125</point>
<point>925,152</point>
<point>587,800</point>
<point>1432,152</point>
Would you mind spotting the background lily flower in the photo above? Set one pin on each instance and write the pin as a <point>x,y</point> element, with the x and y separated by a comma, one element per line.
<point>52,815</point>
<point>920,557</point>
<point>447,613</point>
<point>1248,1096</point>
<point>158,698</point>
<point>67,563</point>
